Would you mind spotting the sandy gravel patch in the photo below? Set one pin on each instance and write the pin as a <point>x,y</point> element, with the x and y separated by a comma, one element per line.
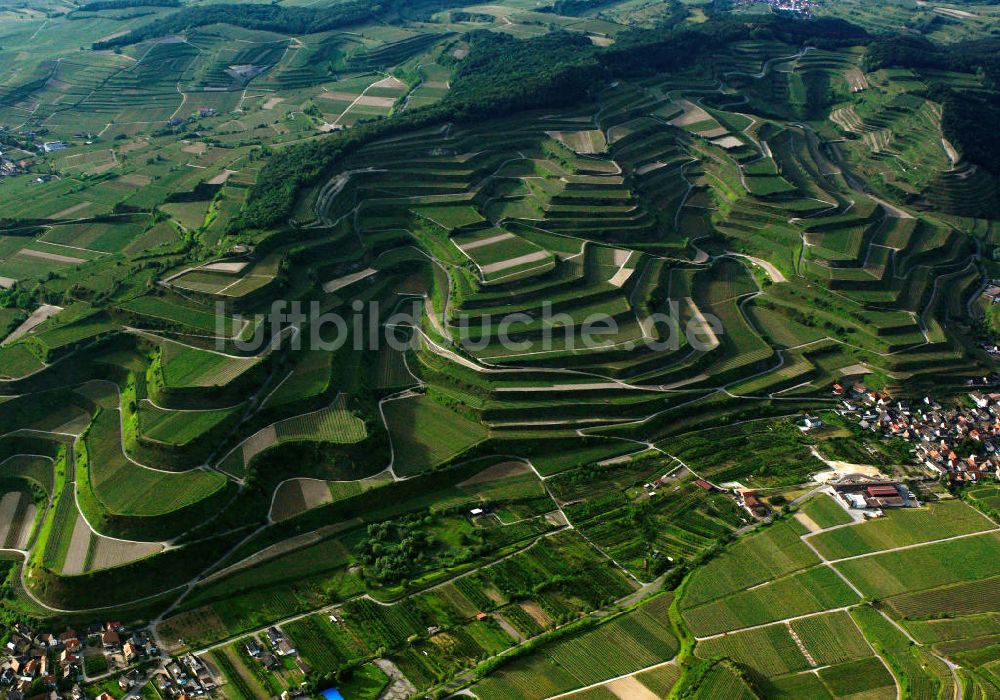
<point>486,241</point>
<point>341,96</point>
<point>514,262</point>
<point>649,167</point>
<point>228,267</point>
<point>629,688</point>
<point>372,101</point>
<point>197,148</point>
<point>7,282</point>
<point>273,102</point>
<point>727,142</point>
<point>961,14</point>
<point>221,178</point>
<point>950,151</point>
<point>508,628</point>
<point>54,257</point>
<point>341,282</point>
<point>42,313</point>
<point>856,79</point>
<point>705,330</point>
<point>497,471</point>
<point>600,40</point>
<point>69,211</point>
<point>315,492</point>
<point>807,521</point>
<point>621,277</point>
<point>692,114</point>
<point>390,82</point>
<point>76,557</point>
<point>103,168</point>
<point>556,519</point>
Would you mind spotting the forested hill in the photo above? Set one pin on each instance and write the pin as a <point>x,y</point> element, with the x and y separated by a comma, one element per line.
<point>969,118</point>
<point>289,20</point>
<point>502,75</point>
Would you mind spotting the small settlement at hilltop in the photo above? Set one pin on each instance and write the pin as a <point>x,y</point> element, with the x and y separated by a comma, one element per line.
<point>961,443</point>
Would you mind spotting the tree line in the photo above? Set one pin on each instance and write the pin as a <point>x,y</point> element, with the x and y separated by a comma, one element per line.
<point>99,5</point>
<point>274,18</point>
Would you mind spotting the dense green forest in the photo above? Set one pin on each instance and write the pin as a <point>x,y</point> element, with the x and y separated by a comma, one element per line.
<point>289,20</point>
<point>99,5</point>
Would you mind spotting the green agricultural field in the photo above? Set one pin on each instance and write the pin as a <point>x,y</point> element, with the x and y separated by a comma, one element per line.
<point>189,367</point>
<point>124,487</point>
<point>757,559</point>
<point>826,512</point>
<point>813,590</point>
<point>424,433</point>
<point>332,424</point>
<point>924,567</point>
<point>179,428</point>
<point>568,664</point>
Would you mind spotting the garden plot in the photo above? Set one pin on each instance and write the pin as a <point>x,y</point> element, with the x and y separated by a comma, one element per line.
<point>297,496</point>
<point>500,254</point>
<point>107,553</point>
<point>57,260</point>
<point>219,281</point>
<point>9,520</point>
<point>102,236</point>
<point>376,100</point>
<point>188,367</point>
<point>450,216</point>
<point>180,428</point>
<point>588,142</point>
<point>79,544</point>
<point>691,118</point>
<point>333,424</point>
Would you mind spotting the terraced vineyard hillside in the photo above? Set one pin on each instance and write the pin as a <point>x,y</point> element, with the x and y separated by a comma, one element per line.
<point>541,346</point>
